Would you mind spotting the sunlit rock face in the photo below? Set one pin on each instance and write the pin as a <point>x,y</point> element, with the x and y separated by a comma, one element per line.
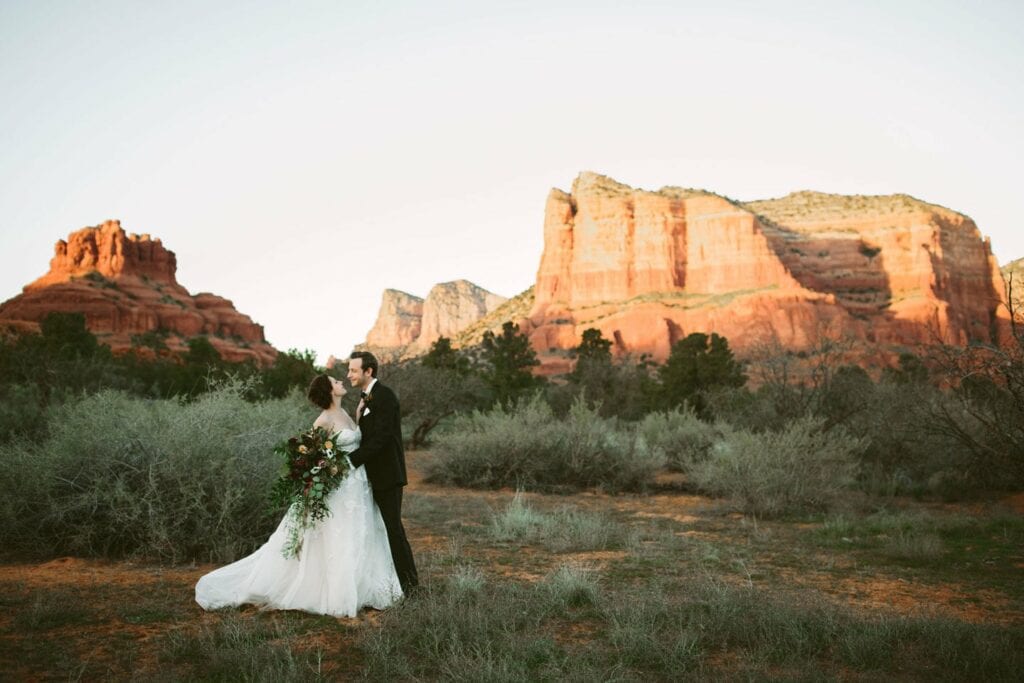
<point>398,321</point>
<point>125,285</point>
<point>647,268</point>
<point>406,325</point>
<point>451,307</point>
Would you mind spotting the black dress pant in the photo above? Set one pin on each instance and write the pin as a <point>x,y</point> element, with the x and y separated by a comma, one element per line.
<point>389,501</point>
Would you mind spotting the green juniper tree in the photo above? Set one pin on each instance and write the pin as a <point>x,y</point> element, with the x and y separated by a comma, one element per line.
<point>443,357</point>
<point>508,358</point>
<point>695,364</point>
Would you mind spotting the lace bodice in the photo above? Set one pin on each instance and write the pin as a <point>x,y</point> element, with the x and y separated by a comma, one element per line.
<point>347,440</point>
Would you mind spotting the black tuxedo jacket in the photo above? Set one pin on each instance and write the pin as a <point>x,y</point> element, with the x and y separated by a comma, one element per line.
<point>380,450</point>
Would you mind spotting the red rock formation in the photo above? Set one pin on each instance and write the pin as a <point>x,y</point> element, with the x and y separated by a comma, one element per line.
<point>398,324</point>
<point>451,307</point>
<point>647,268</point>
<point>107,250</point>
<point>406,325</point>
<point>125,285</point>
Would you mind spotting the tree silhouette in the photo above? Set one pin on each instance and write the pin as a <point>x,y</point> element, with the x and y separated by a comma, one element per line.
<point>509,358</point>
<point>698,363</point>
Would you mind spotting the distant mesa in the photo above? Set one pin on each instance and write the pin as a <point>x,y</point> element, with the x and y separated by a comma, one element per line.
<point>407,325</point>
<point>125,286</point>
<point>649,267</point>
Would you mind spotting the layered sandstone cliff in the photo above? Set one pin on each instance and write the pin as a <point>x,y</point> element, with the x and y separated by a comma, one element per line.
<point>451,307</point>
<point>406,325</point>
<point>647,268</point>
<point>399,321</point>
<point>125,285</point>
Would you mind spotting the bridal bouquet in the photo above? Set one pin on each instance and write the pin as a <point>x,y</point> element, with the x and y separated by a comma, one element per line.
<point>311,469</point>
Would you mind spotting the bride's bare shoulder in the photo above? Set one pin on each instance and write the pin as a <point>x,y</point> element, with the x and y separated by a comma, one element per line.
<point>346,421</point>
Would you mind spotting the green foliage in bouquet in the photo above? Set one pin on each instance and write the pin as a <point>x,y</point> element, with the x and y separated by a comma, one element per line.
<point>312,468</point>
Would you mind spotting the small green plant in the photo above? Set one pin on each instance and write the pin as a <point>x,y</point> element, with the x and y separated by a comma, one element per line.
<point>572,585</point>
<point>97,278</point>
<point>564,529</point>
<point>869,251</point>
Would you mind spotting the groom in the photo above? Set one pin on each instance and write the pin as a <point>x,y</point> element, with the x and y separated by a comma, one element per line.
<point>380,451</point>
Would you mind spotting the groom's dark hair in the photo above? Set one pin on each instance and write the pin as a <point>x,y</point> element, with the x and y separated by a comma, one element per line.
<point>369,361</point>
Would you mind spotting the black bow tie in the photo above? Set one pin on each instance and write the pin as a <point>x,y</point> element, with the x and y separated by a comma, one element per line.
<point>363,395</point>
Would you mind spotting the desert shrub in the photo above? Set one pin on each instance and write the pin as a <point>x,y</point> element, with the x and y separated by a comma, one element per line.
<point>907,450</point>
<point>571,585</point>
<point>771,473</point>
<point>767,409</point>
<point>563,529</point>
<point>22,410</point>
<point>680,435</point>
<point>466,579</point>
<point>902,454</point>
<point>117,475</point>
<point>525,446</point>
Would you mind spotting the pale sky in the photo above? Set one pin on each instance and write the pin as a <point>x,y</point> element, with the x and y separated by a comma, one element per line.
<point>301,157</point>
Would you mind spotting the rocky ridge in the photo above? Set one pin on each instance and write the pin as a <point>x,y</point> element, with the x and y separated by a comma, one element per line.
<point>647,268</point>
<point>126,286</point>
<point>514,310</point>
<point>406,325</point>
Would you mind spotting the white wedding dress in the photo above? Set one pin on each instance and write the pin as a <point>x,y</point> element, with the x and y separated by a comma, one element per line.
<point>344,562</point>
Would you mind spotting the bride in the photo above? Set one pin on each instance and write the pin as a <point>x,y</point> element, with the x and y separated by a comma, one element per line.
<point>345,562</point>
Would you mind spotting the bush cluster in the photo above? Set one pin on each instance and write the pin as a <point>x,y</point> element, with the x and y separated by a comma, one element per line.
<point>801,467</point>
<point>65,360</point>
<point>116,475</point>
<point>524,445</point>
<point>680,435</point>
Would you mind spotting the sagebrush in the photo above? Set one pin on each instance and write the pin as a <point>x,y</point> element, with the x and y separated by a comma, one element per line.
<point>525,446</point>
<point>116,475</point>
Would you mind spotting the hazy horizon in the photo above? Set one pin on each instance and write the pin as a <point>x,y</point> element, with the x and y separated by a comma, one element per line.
<point>406,145</point>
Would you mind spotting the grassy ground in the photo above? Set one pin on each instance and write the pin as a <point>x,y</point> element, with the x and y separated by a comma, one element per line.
<point>587,587</point>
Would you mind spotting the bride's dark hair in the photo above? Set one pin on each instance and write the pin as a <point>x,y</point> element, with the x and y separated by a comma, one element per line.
<point>320,391</point>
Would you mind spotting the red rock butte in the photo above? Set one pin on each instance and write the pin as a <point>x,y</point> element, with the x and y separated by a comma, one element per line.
<point>647,268</point>
<point>125,286</point>
<point>407,325</point>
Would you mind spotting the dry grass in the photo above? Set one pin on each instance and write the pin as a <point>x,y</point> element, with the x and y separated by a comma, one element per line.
<point>674,586</point>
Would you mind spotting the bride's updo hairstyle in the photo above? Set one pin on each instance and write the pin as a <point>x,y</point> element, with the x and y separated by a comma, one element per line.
<point>320,391</point>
